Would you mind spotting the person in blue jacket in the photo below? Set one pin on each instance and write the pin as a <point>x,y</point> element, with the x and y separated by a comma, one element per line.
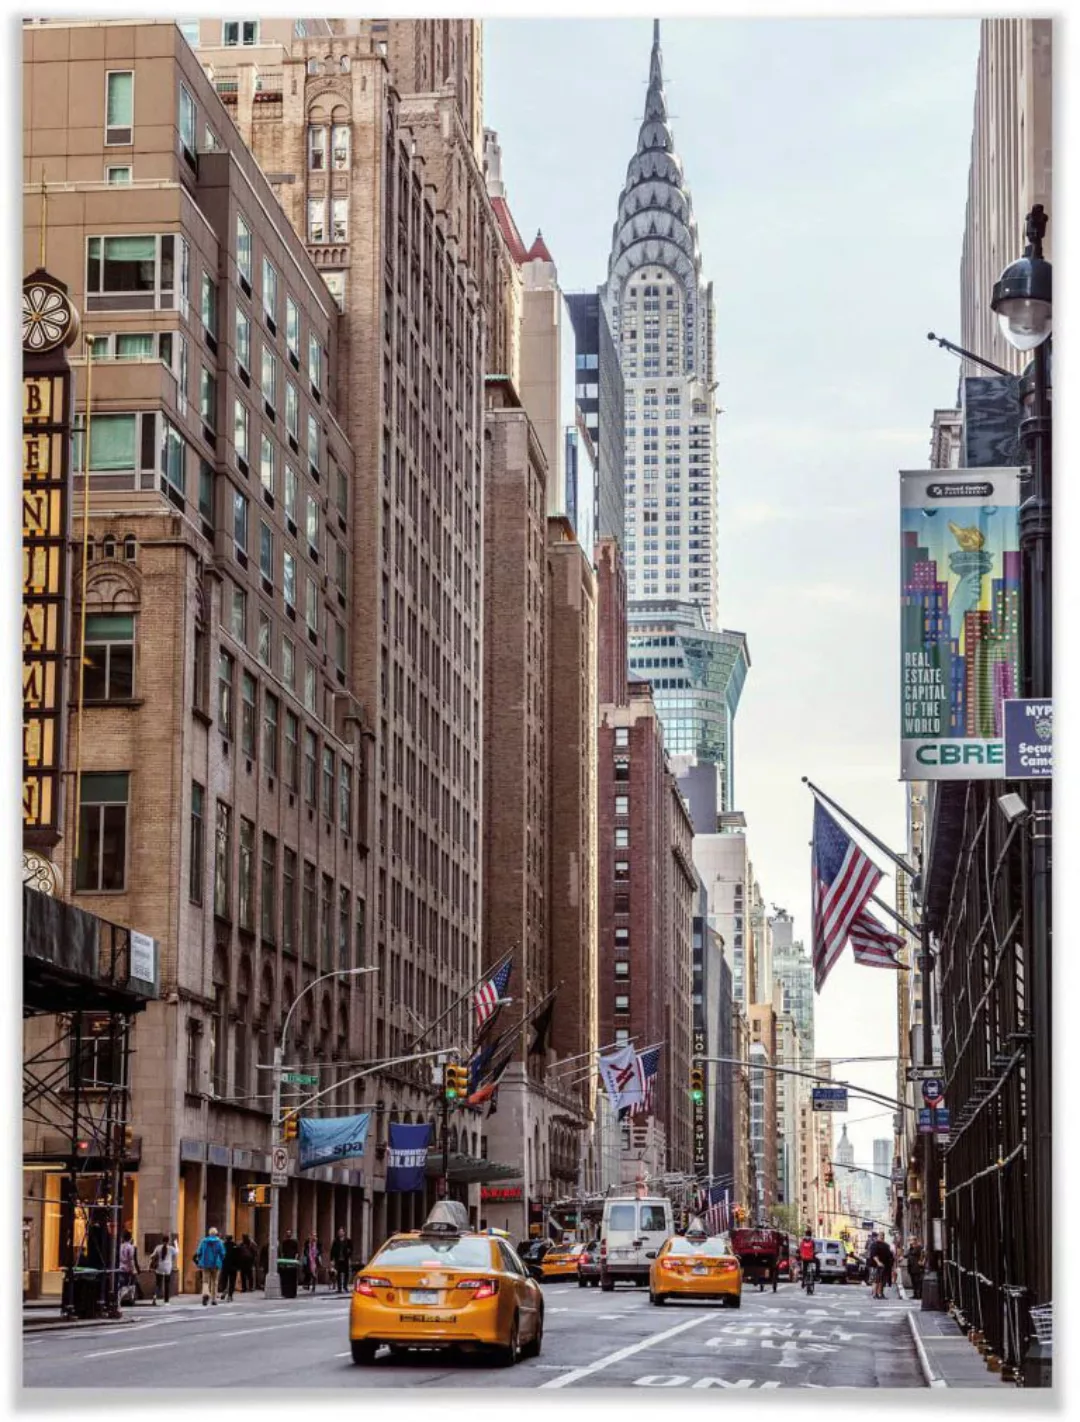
<point>209,1257</point>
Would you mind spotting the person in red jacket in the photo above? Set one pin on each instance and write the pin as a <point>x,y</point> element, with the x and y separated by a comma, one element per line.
<point>807,1254</point>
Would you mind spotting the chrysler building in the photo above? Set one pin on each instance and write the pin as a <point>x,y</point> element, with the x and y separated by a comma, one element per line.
<point>661,315</point>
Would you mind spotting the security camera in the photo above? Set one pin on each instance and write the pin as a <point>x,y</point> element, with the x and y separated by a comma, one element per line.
<point>1013,808</point>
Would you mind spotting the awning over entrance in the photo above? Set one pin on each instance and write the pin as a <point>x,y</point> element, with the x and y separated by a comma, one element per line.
<point>76,962</point>
<point>469,1169</point>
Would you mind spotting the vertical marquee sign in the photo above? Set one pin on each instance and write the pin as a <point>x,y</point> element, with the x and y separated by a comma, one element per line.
<point>49,325</point>
<point>701,1139</point>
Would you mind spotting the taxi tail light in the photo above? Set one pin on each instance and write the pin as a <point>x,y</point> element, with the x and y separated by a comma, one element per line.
<point>481,1288</point>
<point>671,1265</point>
<point>367,1285</point>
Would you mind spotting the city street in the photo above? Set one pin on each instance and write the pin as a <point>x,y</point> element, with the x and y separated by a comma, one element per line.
<point>838,1338</point>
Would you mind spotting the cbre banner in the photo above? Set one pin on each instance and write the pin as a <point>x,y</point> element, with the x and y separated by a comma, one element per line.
<point>960,620</point>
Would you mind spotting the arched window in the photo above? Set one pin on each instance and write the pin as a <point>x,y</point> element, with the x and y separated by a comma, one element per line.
<point>219,1026</point>
<point>241,1038</point>
<point>130,547</point>
<point>346,64</point>
<point>108,546</point>
<point>264,1033</point>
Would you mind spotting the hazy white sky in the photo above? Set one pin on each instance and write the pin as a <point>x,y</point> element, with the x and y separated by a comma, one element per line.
<point>828,164</point>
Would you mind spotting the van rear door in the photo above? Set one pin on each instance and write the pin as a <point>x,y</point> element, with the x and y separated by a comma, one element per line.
<point>654,1226</point>
<point>620,1232</point>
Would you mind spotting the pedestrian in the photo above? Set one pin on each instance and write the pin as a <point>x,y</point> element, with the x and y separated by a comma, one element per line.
<point>128,1288</point>
<point>162,1261</point>
<point>311,1259</point>
<point>288,1264</point>
<point>209,1258</point>
<point>880,1259</point>
<point>341,1261</point>
<point>915,1267</point>
<point>229,1267</point>
<point>245,1254</point>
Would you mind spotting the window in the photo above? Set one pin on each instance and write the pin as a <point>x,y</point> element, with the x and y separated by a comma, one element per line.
<point>292,743</point>
<point>622,969</point>
<point>292,410</point>
<point>198,844</point>
<point>622,735</point>
<point>266,567</point>
<point>311,768</point>
<point>240,521</point>
<point>339,144</point>
<point>269,377</point>
<point>173,458</point>
<point>344,916</point>
<point>292,326</point>
<point>326,910</point>
<point>622,1003</point>
<point>335,285</point>
<point>243,247</point>
<point>136,272</point>
<point>345,797</point>
<point>208,305</point>
<point>291,486</point>
<point>188,121</point>
<point>238,614</point>
<point>193,1072</point>
<point>241,427</point>
<point>247,874</point>
<point>112,444</point>
<point>622,804</point>
<point>239,32</point>
<point>109,657</point>
<point>223,861</point>
<point>308,911</point>
<point>119,106</point>
<point>103,812</point>
<point>316,151</point>
<point>622,868</point>
<point>269,290</point>
<point>288,663</point>
<point>266,463</point>
<point>243,339</point>
<point>118,177</point>
<point>268,888</point>
<point>312,606</point>
<point>247,714</point>
<point>314,361</point>
<point>289,579</point>
<point>225,694</point>
<point>207,399</point>
<point>288,900</point>
<point>312,523</point>
<point>622,1036</point>
<point>270,733</point>
<point>339,214</point>
<point>309,686</point>
<point>622,839</point>
<point>328,782</point>
<point>313,442</point>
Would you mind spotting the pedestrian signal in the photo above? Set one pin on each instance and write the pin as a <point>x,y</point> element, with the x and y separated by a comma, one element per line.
<point>289,1128</point>
<point>697,1084</point>
<point>256,1194</point>
<point>456,1080</point>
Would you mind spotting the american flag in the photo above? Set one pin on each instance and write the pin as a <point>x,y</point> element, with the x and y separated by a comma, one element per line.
<point>648,1066</point>
<point>716,1216</point>
<point>843,880</point>
<point>874,946</point>
<point>488,994</point>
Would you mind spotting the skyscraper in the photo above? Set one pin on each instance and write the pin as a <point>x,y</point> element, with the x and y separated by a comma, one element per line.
<point>661,315</point>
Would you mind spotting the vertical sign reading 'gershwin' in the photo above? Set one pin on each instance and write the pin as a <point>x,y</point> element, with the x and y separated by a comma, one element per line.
<point>960,621</point>
<point>49,324</point>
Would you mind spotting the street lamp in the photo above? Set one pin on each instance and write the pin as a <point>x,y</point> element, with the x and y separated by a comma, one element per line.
<point>272,1283</point>
<point>1022,300</point>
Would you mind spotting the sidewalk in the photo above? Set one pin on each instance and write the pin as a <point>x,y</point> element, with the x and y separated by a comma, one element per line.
<point>43,1315</point>
<point>946,1357</point>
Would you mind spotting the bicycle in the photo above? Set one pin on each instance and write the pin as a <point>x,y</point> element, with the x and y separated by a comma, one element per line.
<point>809,1270</point>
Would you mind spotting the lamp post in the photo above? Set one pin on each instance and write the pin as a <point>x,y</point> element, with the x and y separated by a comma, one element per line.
<point>272,1284</point>
<point>1022,299</point>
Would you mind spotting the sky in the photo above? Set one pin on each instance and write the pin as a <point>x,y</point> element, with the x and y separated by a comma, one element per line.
<point>827,162</point>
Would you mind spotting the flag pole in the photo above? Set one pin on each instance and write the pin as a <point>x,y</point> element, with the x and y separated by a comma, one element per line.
<point>487,973</point>
<point>896,917</point>
<point>900,862</point>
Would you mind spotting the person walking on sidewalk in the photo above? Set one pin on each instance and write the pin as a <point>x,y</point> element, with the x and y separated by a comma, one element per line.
<point>229,1268</point>
<point>163,1261</point>
<point>128,1289</point>
<point>312,1258</point>
<point>915,1267</point>
<point>245,1254</point>
<point>209,1258</point>
<point>341,1260</point>
<point>880,1260</point>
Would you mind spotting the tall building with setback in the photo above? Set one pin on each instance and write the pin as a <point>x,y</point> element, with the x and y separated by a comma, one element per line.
<point>226,769</point>
<point>660,311</point>
<point>601,400</point>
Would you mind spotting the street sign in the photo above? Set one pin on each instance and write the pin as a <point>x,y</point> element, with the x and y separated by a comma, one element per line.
<point>279,1179</point>
<point>830,1098</point>
<point>299,1078</point>
<point>933,1090</point>
<point>920,1073</point>
<point>1029,739</point>
<point>931,1120</point>
<point>279,1166</point>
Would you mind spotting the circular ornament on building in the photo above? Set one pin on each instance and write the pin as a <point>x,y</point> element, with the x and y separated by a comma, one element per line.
<point>49,319</point>
<point>41,874</point>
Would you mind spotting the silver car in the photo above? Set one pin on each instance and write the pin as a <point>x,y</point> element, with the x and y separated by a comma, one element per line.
<point>831,1259</point>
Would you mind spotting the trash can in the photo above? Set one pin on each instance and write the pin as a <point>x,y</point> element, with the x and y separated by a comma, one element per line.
<point>86,1292</point>
<point>288,1271</point>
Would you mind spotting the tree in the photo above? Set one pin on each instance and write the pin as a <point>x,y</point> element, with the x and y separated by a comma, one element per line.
<point>786,1217</point>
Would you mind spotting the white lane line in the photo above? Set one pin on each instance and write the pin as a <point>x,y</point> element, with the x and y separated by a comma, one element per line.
<point>244,1332</point>
<point>135,1348</point>
<point>627,1352</point>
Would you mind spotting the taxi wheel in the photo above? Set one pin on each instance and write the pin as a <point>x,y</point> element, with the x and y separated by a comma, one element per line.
<point>582,1283</point>
<point>363,1353</point>
<point>532,1348</point>
<point>736,1300</point>
<point>656,1298</point>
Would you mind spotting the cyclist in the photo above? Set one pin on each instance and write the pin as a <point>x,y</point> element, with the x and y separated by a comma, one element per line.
<point>807,1259</point>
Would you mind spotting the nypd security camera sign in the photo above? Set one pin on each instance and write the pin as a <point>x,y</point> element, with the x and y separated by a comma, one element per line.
<point>1029,739</point>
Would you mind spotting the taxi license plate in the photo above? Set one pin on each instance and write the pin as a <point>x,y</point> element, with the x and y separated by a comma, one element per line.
<point>424,1296</point>
<point>701,1268</point>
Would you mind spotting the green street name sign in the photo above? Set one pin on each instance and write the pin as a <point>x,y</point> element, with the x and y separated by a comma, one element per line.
<point>296,1078</point>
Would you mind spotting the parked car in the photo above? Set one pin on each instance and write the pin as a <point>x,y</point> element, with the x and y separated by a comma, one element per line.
<point>533,1254</point>
<point>831,1260</point>
<point>588,1269</point>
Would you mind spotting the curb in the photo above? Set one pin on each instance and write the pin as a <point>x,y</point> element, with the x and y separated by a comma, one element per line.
<point>932,1378</point>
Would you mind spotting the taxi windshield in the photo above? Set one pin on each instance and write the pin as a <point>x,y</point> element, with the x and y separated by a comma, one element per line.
<point>435,1254</point>
<point>714,1246</point>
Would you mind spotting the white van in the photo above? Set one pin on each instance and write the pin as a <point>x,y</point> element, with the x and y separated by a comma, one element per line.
<point>630,1235</point>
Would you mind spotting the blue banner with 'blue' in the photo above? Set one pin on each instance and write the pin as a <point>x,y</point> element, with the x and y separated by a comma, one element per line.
<point>407,1157</point>
<point>336,1138</point>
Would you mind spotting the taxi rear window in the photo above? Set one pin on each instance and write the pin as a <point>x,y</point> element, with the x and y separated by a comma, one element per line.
<point>712,1247</point>
<point>436,1253</point>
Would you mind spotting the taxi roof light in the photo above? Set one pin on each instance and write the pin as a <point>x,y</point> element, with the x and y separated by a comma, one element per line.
<point>447,1217</point>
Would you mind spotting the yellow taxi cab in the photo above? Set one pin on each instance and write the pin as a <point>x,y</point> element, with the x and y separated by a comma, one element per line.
<point>562,1262</point>
<point>696,1265</point>
<point>446,1286</point>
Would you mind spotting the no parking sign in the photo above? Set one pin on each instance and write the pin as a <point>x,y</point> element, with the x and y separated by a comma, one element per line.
<point>933,1091</point>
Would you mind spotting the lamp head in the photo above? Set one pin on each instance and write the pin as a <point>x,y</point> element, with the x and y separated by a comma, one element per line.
<point>1023,294</point>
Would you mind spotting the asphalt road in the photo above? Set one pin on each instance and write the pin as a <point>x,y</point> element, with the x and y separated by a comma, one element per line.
<point>839,1338</point>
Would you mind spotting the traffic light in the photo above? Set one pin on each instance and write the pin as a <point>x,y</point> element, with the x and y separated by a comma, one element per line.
<point>456,1082</point>
<point>129,1139</point>
<point>289,1127</point>
<point>256,1194</point>
<point>830,1178</point>
<point>697,1084</point>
